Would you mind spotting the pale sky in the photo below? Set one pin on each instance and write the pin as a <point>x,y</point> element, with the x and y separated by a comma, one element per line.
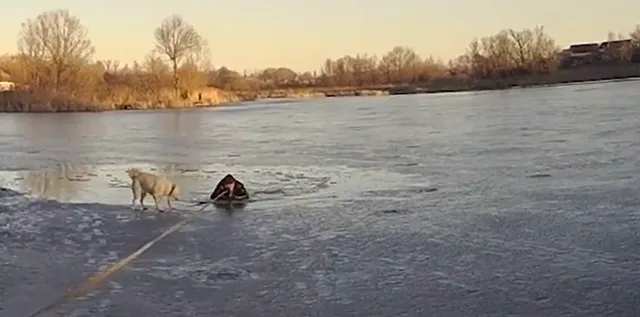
<point>301,34</point>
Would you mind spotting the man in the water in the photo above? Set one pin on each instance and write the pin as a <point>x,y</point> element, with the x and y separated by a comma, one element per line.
<point>231,189</point>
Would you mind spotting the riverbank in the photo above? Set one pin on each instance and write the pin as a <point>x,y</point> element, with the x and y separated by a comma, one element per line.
<point>313,92</point>
<point>123,99</point>
<point>559,77</point>
<point>461,84</point>
<point>30,101</point>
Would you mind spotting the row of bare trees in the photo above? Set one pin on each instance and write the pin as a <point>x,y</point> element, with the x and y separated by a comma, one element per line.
<point>56,54</point>
<point>400,65</point>
<point>508,53</point>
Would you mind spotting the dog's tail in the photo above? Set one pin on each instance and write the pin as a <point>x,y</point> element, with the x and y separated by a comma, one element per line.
<point>133,172</point>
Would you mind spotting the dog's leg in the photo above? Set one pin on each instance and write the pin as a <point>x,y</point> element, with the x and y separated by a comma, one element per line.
<point>133,202</point>
<point>142,196</point>
<point>155,200</point>
<point>135,189</point>
<point>169,203</point>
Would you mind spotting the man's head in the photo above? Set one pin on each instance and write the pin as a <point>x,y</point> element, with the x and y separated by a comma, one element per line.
<point>226,187</point>
<point>229,188</point>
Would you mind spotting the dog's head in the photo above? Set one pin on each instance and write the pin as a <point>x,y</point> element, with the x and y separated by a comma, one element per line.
<point>175,192</point>
<point>133,172</point>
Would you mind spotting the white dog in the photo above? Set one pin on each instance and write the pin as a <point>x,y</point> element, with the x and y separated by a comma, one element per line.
<point>144,183</point>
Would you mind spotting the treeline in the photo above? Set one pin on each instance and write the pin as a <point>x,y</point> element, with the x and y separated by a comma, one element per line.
<point>508,53</point>
<point>56,58</point>
<point>504,54</point>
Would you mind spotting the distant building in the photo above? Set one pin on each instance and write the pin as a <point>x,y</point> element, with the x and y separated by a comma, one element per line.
<point>596,53</point>
<point>584,49</point>
<point>615,45</point>
<point>7,86</point>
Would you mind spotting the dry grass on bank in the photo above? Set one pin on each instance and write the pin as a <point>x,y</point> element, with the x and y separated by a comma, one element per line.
<point>122,99</point>
<point>125,98</point>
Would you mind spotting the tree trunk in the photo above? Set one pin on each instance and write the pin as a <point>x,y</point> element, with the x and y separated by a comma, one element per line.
<point>58,77</point>
<point>176,77</point>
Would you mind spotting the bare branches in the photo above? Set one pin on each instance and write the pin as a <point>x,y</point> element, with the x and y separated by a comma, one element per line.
<point>177,39</point>
<point>401,64</point>
<point>58,40</point>
<point>199,58</point>
<point>635,35</point>
<point>51,44</point>
<point>509,53</point>
<point>110,66</point>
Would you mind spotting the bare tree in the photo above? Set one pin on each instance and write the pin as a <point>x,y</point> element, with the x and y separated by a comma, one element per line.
<point>545,51</point>
<point>328,73</point>
<point>460,66</point>
<point>401,65</point>
<point>55,40</point>
<point>110,66</point>
<point>402,62</point>
<point>617,49</point>
<point>177,39</point>
<point>362,67</point>
<point>635,35</point>
<point>431,67</point>
<point>200,58</point>
<point>510,53</point>
<point>522,48</point>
